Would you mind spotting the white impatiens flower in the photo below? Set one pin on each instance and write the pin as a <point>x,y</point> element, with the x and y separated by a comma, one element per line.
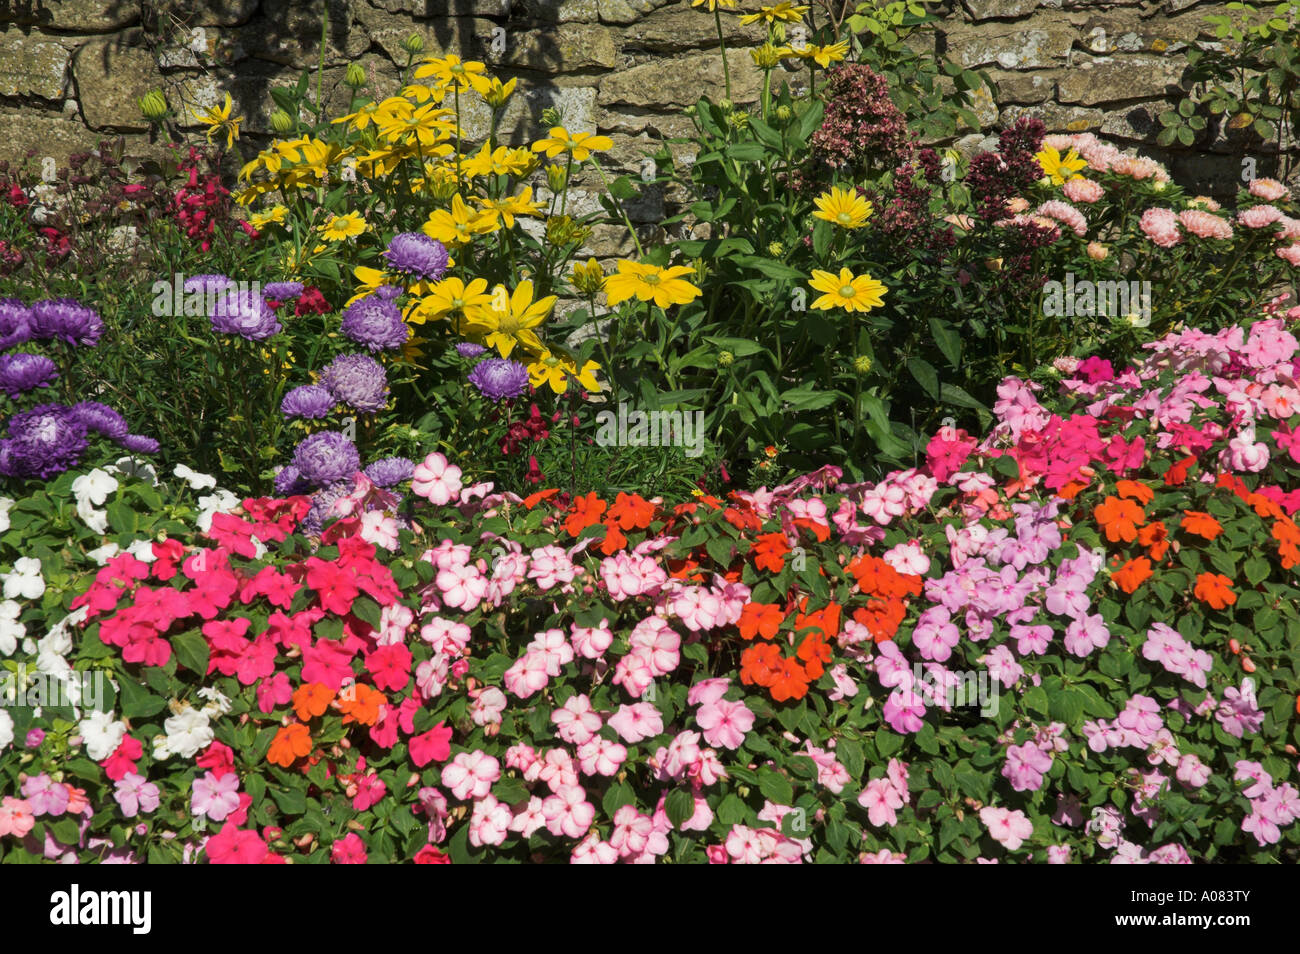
<point>196,480</point>
<point>97,520</point>
<point>101,735</point>
<point>131,467</point>
<point>5,504</point>
<point>10,629</point>
<point>94,487</point>
<point>102,555</point>
<point>222,501</point>
<point>142,550</point>
<point>218,704</point>
<point>187,732</point>
<point>25,581</point>
<point>6,730</point>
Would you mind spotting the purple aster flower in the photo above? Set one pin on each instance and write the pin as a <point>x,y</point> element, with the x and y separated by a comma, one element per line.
<point>321,501</point>
<point>282,291</point>
<point>467,349</point>
<point>23,372</point>
<point>15,322</point>
<point>390,471</point>
<point>390,292</point>
<point>415,253</point>
<point>43,441</point>
<point>101,419</point>
<point>289,482</point>
<point>357,380</point>
<point>499,378</point>
<point>310,401</point>
<point>376,323</point>
<point>66,319</point>
<point>244,313</point>
<point>207,284</point>
<point>139,444</point>
<point>326,458</point>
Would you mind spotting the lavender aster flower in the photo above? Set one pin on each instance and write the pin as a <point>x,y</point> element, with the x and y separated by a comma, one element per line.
<point>499,378</point>
<point>23,372</point>
<point>66,319</point>
<point>376,323</point>
<point>326,458</point>
<point>289,482</point>
<point>467,349</point>
<point>245,314</point>
<point>101,419</point>
<point>282,291</point>
<point>357,380</point>
<point>414,253</point>
<point>390,471</point>
<point>207,284</point>
<point>314,522</point>
<point>15,323</point>
<point>310,401</point>
<point>43,441</point>
<point>139,444</point>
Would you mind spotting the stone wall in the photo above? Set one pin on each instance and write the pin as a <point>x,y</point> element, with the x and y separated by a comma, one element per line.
<point>71,71</point>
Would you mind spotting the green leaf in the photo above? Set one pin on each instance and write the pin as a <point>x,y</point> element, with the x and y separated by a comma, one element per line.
<point>947,340</point>
<point>925,375</point>
<point>1036,700</point>
<point>137,701</point>
<point>680,807</point>
<point>291,801</point>
<point>622,188</point>
<point>746,151</point>
<point>192,651</point>
<point>775,786</point>
<point>367,610</point>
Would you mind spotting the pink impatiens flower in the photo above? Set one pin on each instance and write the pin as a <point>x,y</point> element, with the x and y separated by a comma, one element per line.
<point>568,812</point>
<point>215,797</point>
<point>436,480</point>
<point>471,774</point>
<point>725,723</point>
<point>635,722</point>
<point>1010,828</point>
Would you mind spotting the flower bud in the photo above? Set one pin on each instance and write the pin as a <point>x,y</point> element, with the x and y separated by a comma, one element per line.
<point>413,44</point>
<point>282,122</point>
<point>862,364</point>
<point>775,249</point>
<point>355,76</point>
<point>154,105</point>
<point>784,113</point>
<point>588,278</point>
<point>1097,252</point>
<point>725,358</point>
<point>556,177</point>
<point>766,56</point>
<point>550,117</point>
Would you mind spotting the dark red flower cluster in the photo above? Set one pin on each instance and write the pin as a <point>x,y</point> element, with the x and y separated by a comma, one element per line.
<point>862,129</point>
<point>312,302</point>
<point>994,178</point>
<point>202,202</point>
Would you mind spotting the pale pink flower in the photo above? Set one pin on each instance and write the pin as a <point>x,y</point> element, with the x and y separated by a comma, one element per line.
<point>1270,190</point>
<point>445,636</point>
<point>591,641</point>
<point>489,822</point>
<point>1097,252</point>
<point>529,818</point>
<point>1204,225</point>
<point>1083,190</point>
<point>1289,254</point>
<point>593,851</point>
<point>550,565</point>
<point>882,801</point>
<point>436,480</point>
<point>600,756</point>
<point>487,708</point>
<point>575,721</point>
<point>1010,828</point>
<point>1066,214</point>
<point>471,774</point>
<point>568,812</point>
<point>215,797</point>
<point>725,723</point>
<point>1161,227</point>
<point>636,722</point>
<point>1259,216</point>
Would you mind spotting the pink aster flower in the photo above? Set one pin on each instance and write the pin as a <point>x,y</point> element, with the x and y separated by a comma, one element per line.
<point>1204,224</point>
<point>1083,190</point>
<point>1259,216</point>
<point>1066,214</point>
<point>1161,227</point>
<point>1270,190</point>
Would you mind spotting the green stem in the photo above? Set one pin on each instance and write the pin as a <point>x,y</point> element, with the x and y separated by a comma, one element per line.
<point>626,221</point>
<point>722,48</point>
<point>320,71</point>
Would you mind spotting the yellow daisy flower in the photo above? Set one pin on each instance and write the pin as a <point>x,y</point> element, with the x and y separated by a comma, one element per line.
<point>505,323</point>
<point>450,70</point>
<point>449,298</point>
<point>843,207</point>
<point>218,120</point>
<point>507,209</point>
<point>824,56</point>
<point>497,92</point>
<point>342,227</point>
<point>457,226</point>
<point>580,146</point>
<point>852,293</point>
<point>277,214</point>
<point>785,10</point>
<point>554,370</point>
<point>663,286</point>
<point>1060,169</point>
<point>715,4</point>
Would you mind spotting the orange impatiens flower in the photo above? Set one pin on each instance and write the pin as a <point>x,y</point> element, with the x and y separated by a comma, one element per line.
<point>758,664</point>
<point>769,552</point>
<point>1120,519</point>
<point>614,539</point>
<point>312,699</point>
<point>815,653</point>
<point>1132,574</point>
<point>760,619</point>
<point>825,621</point>
<point>361,704</point>
<point>790,681</point>
<point>586,511</point>
<point>632,512</point>
<point>1265,507</point>
<point>1139,492</point>
<point>1155,537</point>
<point>1214,589</point>
<point>1177,474</point>
<point>532,500</point>
<point>291,743</point>
<point>1287,535</point>
<point>1201,524</point>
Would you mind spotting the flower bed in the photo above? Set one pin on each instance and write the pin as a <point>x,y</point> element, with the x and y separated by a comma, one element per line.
<point>1074,638</point>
